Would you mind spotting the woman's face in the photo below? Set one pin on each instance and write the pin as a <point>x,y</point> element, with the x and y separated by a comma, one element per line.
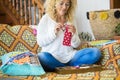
<point>62,7</point>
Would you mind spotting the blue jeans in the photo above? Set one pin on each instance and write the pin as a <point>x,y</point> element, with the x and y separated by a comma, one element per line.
<point>83,56</point>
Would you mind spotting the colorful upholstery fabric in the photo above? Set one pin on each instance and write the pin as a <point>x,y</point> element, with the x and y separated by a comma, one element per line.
<point>110,58</point>
<point>17,38</point>
<point>21,63</point>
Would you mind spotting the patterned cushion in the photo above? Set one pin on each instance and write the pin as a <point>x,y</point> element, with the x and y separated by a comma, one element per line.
<point>17,38</point>
<point>110,52</point>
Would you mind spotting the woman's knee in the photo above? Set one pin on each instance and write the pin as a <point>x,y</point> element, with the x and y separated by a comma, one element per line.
<point>97,52</point>
<point>93,55</point>
<point>92,52</point>
<point>43,56</point>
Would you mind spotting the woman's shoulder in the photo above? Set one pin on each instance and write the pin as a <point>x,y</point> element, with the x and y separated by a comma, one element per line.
<point>47,17</point>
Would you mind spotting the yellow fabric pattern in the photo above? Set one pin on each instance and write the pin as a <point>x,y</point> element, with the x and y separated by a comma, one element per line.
<point>103,15</point>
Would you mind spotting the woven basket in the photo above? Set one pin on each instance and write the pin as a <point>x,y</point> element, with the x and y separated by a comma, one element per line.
<point>103,23</point>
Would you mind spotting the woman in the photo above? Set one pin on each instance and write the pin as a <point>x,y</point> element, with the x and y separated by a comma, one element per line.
<point>50,34</point>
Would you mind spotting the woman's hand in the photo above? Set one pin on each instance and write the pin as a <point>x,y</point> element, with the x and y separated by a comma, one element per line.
<point>72,29</point>
<point>58,27</point>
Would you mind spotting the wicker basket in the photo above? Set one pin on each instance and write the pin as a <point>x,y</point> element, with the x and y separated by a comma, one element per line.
<point>103,23</point>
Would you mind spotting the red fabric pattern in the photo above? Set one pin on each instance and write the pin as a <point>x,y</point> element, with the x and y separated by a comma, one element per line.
<point>67,37</point>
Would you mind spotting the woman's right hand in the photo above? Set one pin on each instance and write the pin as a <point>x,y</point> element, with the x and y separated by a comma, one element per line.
<point>58,27</point>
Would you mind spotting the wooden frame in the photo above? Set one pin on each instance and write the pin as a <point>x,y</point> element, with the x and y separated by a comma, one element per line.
<point>114,4</point>
<point>111,4</point>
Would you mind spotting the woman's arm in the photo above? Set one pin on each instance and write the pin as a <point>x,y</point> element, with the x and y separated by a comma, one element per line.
<point>75,42</point>
<point>45,33</point>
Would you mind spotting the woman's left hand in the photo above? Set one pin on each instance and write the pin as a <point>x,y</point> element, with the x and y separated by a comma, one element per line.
<point>72,29</point>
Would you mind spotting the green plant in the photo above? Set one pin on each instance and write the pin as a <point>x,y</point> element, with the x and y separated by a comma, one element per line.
<point>117,30</point>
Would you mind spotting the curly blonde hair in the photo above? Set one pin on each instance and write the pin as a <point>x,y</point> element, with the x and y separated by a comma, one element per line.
<point>50,9</point>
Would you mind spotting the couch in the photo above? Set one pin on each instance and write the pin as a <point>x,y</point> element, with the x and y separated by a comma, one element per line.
<point>21,38</point>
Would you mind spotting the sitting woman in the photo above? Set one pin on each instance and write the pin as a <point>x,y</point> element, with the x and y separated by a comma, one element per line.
<point>57,35</point>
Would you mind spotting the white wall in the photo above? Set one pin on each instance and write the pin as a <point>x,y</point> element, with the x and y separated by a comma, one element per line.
<point>85,6</point>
